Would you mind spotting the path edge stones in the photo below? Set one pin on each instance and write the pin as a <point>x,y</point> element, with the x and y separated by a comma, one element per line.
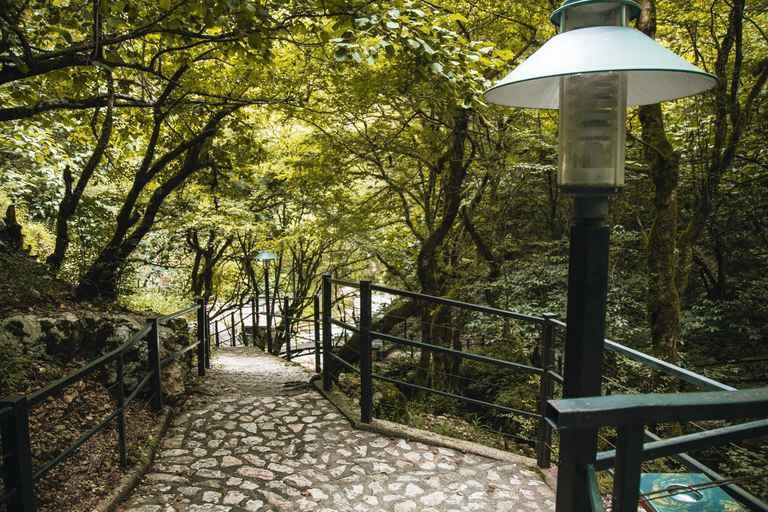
<point>347,407</point>
<point>134,475</point>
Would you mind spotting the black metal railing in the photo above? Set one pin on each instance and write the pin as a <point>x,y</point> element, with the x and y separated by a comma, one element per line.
<point>630,413</point>
<point>20,476</point>
<point>548,378</point>
<point>239,323</point>
<point>365,369</point>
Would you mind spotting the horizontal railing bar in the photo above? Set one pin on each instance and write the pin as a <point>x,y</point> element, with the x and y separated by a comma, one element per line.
<point>345,326</point>
<point>457,397</point>
<point>691,442</point>
<point>556,377</point>
<point>50,389</point>
<point>343,282</point>
<point>745,498</point>
<point>178,354</point>
<point>675,371</point>
<point>558,323</point>
<point>298,319</point>
<point>459,304</point>
<point>614,410</point>
<point>343,362</point>
<point>5,413</point>
<point>465,355</point>
<point>66,453</point>
<point>137,390</point>
<point>177,314</point>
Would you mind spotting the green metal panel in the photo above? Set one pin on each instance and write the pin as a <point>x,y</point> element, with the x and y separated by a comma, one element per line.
<point>695,499</point>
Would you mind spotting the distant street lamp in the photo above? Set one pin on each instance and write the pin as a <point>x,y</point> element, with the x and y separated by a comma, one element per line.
<point>591,72</point>
<point>266,257</point>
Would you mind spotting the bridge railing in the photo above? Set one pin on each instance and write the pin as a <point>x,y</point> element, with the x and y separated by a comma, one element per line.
<point>549,376</point>
<point>20,475</point>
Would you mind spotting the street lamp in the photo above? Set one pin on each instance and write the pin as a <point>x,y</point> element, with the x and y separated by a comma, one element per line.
<point>591,72</point>
<point>266,257</point>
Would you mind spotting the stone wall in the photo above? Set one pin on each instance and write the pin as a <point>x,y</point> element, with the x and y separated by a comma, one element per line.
<point>89,335</point>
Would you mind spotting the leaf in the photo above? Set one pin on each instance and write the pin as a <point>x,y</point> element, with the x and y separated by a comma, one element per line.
<point>436,68</point>
<point>340,54</point>
<point>458,17</point>
<point>255,40</point>
<point>393,25</point>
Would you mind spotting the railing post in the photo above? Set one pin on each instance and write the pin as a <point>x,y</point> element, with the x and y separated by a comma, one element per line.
<point>234,327</point>
<point>366,359</point>
<point>629,458</point>
<point>17,455</point>
<point>218,341</point>
<point>544,448</point>
<point>155,382</point>
<point>327,335</point>
<point>316,304</point>
<point>258,321</point>
<point>287,329</point>
<point>242,327</point>
<point>201,337</point>
<point>254,320</point>
<point>121,412</point>
<point>207,335</point>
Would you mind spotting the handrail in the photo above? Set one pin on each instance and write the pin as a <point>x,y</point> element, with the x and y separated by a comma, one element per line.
<point>466,355</point>
<point>548,371</point>
<point>668,368</point>
<point>52,388</point>
<point>599,411</point>
<point>455,303</point>
<point>473,401</point>
<point>690,442</point>
<point>14,420</point>
<point>165,318</point>
<point>629,413</point>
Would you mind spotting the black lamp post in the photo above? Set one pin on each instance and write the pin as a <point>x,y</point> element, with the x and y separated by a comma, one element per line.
<point>266,257</point>
<point>591,72</point>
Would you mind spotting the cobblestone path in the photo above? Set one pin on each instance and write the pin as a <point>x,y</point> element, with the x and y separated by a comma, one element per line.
<point>264,440</point>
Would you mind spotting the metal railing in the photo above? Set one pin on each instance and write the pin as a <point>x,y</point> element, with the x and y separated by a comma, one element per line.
<point>365,370</point>
<point>288,329</point>
<point>548,378</point>
<point>630,413</point>
<point>20,475</point>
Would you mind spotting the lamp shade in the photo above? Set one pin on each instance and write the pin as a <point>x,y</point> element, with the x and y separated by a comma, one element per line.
<point>654,74</point>
<point>265,256</point>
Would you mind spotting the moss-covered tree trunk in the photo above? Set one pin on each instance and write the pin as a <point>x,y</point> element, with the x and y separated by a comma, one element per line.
<point>662,299</point>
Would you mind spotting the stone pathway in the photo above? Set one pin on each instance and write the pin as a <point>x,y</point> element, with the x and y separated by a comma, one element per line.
<point>265,440</point>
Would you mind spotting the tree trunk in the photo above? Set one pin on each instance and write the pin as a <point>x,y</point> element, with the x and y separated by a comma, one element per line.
<point>71,198</point>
